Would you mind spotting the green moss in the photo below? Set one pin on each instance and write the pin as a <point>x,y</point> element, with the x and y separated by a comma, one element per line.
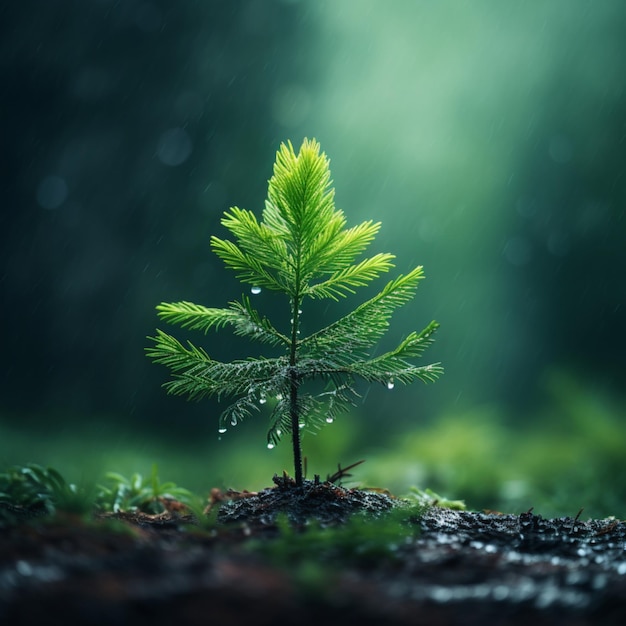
<point>364,539</point>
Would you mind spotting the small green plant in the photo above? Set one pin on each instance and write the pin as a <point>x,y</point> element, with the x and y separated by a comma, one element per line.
<point>31,491</point>
<point>428,498</point>
<point>302,250</point>
<point>148,495</point>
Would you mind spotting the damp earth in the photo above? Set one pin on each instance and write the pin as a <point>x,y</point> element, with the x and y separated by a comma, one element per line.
<point>260,561</point>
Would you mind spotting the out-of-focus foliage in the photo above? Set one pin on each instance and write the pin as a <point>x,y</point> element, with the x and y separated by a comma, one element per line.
<point>566,457</point>
<point>428,498</point>
<point>139,493</point>
<point>32,490</point>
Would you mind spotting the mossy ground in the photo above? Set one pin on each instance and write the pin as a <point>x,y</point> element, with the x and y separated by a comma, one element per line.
<point>319,553</point>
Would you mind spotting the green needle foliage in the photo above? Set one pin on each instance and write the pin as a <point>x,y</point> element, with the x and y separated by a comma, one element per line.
<point>301,248</point>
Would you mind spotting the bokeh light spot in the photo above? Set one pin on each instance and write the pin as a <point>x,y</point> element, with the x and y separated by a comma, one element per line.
<point>561,149</point>
<point>51,192</point>
<point>174,147</point>
<point>518,251</point>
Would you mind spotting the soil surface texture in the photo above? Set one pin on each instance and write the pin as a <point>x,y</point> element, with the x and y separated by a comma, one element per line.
<point>450,567</point>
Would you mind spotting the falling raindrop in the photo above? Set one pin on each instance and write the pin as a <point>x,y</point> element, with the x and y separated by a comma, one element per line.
<point>270,446</point>
<point>390,384</point>
<point>221,431</point>
<point>255,290</point>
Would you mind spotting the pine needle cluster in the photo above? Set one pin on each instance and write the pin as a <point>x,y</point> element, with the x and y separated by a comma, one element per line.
<point>302,249</point>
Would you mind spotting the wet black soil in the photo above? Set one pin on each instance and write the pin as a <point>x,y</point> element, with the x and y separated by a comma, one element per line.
<point>451,567</point>
<point>325,502</point>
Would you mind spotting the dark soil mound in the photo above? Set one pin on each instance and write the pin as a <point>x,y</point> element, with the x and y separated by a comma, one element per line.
<point>326,503</point>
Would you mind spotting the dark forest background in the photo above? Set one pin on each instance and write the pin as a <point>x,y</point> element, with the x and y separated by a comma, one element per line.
<point>127,129</point>
<point>490,142</point>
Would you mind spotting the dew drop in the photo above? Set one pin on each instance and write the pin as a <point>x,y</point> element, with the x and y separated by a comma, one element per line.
<point>390,384</point>
<point>233,421</point>
<point>329,420</point>
<point>279,432</point>
<point>301,425</point>
<point>262,400</point>
<point>270,446</point>
<point>255,290</point>
<point>221,431</point>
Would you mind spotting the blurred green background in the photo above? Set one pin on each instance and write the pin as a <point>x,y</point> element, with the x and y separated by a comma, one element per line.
<point>490,140</point>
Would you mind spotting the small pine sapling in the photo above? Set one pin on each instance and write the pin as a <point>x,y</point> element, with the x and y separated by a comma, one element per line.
<point>302,250</point>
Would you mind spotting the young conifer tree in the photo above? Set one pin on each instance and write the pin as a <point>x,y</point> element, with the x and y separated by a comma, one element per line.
<point>302,249</point>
